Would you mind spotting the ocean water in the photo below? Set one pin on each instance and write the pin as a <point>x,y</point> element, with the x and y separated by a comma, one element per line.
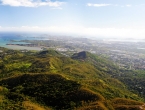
<point>8,38</point>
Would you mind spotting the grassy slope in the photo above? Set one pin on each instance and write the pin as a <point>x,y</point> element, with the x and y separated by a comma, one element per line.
<point>48,89</point>
<point>91,73</point>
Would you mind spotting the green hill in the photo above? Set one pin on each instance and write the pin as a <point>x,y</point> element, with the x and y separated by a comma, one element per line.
<point>101,63</point>
<point>49,80</point>
<point>49,53</point>
<point>81,55</point>
<point>49,89</point>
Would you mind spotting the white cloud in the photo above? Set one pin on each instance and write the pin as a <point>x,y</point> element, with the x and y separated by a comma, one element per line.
<point>97,5</point>
<point>104,5</point>
<point>31,3</point>
<point>128,5</point>
<point>33,27</point>
<point>82,31</point>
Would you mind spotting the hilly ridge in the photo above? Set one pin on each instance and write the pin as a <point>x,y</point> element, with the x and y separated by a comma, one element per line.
<point>82,81</point>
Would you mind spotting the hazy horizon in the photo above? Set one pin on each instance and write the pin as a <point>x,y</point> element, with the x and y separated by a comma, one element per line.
<point>89,18</point>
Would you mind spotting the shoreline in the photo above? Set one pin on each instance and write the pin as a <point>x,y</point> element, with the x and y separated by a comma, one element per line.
<point>18,47</point>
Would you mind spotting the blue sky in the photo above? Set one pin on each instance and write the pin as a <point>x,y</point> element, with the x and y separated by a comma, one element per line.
<point>103,18</point>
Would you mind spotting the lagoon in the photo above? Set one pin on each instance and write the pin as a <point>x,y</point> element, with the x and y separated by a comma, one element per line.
<point>11,38</point>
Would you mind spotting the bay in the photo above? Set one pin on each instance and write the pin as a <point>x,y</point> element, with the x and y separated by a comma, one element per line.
<point>15,38</point>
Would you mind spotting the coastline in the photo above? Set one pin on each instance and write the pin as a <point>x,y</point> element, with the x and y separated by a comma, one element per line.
<point>17,47</point>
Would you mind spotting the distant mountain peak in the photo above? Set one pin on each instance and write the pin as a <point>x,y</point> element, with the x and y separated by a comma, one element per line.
<point>81,55</point>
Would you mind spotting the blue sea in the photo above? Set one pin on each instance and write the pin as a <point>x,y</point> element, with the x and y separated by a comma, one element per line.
<point>8,38</point>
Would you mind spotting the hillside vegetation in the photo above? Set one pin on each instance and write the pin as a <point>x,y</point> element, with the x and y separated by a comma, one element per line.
<point>48,80</point>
